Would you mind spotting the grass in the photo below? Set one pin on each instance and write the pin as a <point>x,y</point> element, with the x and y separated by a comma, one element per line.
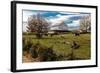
<point>84,51</point>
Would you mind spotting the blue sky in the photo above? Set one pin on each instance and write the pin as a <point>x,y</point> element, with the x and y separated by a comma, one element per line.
<point>55,17</point>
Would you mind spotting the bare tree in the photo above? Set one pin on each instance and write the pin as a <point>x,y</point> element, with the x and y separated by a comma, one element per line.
<point>37,24</point>
<point>85,23</point>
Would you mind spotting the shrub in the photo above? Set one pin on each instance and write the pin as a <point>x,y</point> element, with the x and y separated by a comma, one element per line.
<point>27,43</point>
<point>28,33</point>
<point>44,53</point>
<point>34,50</point>
<point>47,54</point>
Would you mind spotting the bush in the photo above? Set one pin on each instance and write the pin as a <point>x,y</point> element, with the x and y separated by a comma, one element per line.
<point>29,33</point>
<point>34,50</point>
<point>40,51</point>
<point>47,54</point>
<point>27,44</point>
<point>43,52</point>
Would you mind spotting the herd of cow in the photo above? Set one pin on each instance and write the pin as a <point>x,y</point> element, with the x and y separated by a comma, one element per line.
<point>52,33</point>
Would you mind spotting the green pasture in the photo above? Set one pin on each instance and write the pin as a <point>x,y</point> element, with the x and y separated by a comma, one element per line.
<point>62,46</point>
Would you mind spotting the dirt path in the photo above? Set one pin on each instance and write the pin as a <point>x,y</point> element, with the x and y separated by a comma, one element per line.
<point>28,58</point>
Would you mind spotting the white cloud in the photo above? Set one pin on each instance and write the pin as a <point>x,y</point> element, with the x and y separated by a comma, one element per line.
<point>59,15</point>
<point>74,23</point>
<point>26,14</point>
<point>58,20</point>
<point>69,13</point>
<point>54,20</point>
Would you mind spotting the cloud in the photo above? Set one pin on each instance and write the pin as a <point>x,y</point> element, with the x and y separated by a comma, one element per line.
<point>70,18</point>
<point>58,19</point>
<point>69,13</point>
<point>26,14</point>
<point>75,23</point>
<point>58,15</point>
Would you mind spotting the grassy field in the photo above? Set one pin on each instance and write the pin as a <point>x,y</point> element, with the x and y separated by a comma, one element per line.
<point>62,46</point>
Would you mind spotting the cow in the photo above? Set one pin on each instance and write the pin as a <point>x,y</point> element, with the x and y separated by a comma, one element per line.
<point>76,33</point>
<point>75,45</point>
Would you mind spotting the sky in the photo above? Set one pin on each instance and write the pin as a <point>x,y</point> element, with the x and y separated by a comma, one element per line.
<point>55,17</point>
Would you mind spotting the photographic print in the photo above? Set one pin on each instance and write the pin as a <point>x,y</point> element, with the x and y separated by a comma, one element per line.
<point>56,36</point>
<point>47,36</point>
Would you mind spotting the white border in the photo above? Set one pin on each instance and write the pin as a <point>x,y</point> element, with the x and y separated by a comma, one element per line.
<point>38,65</point>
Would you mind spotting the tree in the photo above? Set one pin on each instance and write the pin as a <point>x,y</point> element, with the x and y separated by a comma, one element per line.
<point>37,24</point>
<point>85,23</point>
